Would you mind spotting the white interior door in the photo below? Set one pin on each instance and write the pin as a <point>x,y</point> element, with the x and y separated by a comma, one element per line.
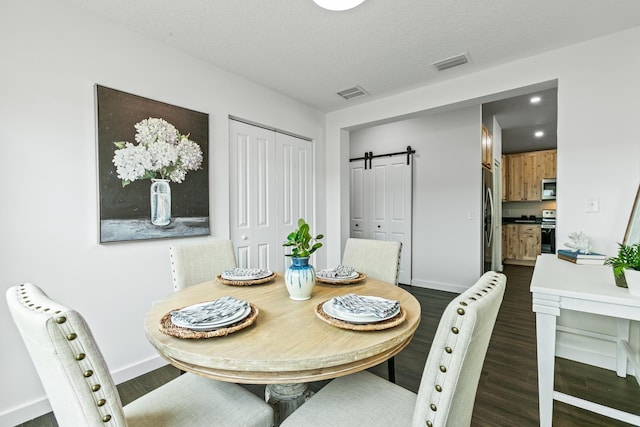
<point>358,209</point>
<point>252,205</point>
<point>271,187</point>
<point>381,204</point>
<point>294,182</point>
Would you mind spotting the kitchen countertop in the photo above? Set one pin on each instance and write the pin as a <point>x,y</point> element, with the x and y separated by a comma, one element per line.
<point>518,220</point>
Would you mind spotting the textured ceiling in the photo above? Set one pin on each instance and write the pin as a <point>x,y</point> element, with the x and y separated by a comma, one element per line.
<point>385,46</point>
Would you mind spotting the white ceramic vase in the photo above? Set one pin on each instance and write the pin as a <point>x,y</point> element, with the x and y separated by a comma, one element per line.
<point>632,278</point>
<point>300,279</point>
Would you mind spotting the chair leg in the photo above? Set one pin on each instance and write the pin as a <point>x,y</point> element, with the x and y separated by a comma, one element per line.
<point>391,365</point>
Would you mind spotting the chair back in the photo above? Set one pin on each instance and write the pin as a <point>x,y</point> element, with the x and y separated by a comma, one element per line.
<point>452,371</point>
<point>197,263</point>
<point>378,259</point>
<point>70,365</point>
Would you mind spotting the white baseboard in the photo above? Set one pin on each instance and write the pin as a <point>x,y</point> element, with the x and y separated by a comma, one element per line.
<point>137,369</point>
<point>586,356</point>
<point>591,351</point>
<point>447,287</point>
<point>41,406</point>
<point>24,413</point>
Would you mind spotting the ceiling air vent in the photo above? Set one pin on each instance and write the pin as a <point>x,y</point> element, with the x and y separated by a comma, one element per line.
<point>452,61</point>
<point>352,92</point>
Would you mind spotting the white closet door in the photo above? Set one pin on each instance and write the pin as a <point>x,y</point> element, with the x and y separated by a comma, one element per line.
<point>252,200</point>
<point>294,182</point>
<point>271,187</point>
<point>381,204</point>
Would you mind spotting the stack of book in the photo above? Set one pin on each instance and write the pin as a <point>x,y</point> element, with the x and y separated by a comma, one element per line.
<point>580,258</point>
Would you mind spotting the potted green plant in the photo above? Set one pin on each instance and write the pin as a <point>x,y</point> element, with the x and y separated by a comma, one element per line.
<point>302,241</point>
<point>300,276</point>
<point>628,263</point>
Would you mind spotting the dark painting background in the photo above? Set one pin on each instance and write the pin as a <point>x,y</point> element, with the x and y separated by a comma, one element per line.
<point>117,113</point>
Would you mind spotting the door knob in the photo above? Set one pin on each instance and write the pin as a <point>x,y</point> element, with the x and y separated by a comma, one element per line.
<point>244,237</point>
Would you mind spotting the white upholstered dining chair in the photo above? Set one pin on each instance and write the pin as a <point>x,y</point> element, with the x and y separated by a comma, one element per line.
<point>82,392</point>
<point>449,380</point>
<point>378,259</point>
<point>196,263</point>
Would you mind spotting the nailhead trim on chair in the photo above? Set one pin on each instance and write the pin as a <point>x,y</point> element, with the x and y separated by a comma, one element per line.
<point>448,350</point>
<point>76,347</point>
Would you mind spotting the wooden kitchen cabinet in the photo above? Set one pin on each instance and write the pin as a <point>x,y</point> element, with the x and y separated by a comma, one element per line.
<point>521,243</point>
<point>510,247</point>
<point>516,178</point>
<point>487,148</point>
<point>529,242</point>
<point>504,177</point>
<point>532,183</point>
<point>526,172</point>
<point>546,164</point>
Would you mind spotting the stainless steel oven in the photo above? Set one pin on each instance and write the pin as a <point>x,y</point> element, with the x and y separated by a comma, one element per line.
<point>548,231</point>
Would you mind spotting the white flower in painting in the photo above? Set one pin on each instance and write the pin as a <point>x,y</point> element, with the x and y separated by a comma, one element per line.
<point>151,130</point>
<point>131,162</point>
<point>189,153</point>
<point>161,150</point>
<point>163,155</point>
<point>178,175</point>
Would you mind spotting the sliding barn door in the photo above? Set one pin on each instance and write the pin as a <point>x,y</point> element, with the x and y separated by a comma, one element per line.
<point>270,188</point>
<point>381,204</point>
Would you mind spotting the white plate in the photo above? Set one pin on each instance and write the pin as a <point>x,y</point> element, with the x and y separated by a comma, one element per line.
<point>211,326</point>
<point>353,275</point>
<point>354,318</point>
<point>227,276</point>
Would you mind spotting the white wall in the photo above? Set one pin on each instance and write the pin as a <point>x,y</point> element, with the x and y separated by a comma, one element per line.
<point>446,190</point>
<point>599,153</point>
<point>52,57</point>
<point>598,136</point>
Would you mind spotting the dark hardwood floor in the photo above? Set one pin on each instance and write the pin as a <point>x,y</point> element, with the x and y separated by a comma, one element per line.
<point>508,390</point>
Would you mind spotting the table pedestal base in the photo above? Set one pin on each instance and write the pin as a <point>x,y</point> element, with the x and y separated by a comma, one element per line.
<point>286,398</point>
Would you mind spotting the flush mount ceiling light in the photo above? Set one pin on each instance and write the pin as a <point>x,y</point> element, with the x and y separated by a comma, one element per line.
<point>338,5</point>
<point>535,99</point>
<point>539,134</point>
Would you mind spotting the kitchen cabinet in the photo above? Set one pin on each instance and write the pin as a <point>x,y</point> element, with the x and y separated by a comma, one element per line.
<point>546,164</point>
<point>521,243</point>
<point>487,148</point>
<point>525,172</point>
<point>504,177</point>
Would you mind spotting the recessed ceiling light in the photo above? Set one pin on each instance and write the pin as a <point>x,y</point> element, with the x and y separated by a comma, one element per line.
<point>539,134</point>
<point>535,99</point>
<point>338,5</point>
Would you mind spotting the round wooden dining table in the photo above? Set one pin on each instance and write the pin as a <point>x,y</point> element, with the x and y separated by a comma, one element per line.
<point>288,345</point>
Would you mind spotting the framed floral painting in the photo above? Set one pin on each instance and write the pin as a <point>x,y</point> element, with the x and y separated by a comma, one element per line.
<point>152,168</point>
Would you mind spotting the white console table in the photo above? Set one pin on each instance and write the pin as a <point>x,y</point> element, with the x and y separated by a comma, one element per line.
<point>560,285</point>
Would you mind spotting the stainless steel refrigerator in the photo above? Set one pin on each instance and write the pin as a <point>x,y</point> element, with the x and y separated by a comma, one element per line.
<point>487,220</point>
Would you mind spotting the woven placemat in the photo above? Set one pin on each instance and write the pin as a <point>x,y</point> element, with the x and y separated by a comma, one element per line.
<point>245,282</point>
<point>167,327</point>
<point>378,326</point>
<point>334,281</point>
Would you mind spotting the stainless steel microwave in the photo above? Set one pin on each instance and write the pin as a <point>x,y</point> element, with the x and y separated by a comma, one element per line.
<point>549,189</point>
